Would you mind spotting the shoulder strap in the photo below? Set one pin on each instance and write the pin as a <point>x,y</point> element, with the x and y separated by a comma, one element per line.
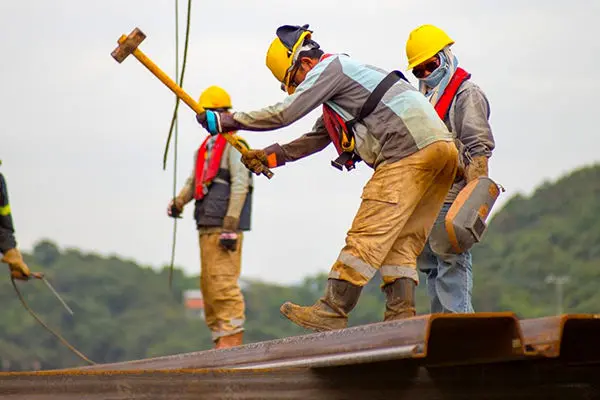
<point>349,158</point>
<point>375,97</point>
<point>445,101</point>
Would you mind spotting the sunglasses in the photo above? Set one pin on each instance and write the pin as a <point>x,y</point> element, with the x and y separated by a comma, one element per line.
<point>430,66</point>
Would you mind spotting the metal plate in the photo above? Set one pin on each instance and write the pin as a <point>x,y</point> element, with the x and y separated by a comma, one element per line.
<point>437,338</point>
<point>572,337</point>
<point>441,356</point>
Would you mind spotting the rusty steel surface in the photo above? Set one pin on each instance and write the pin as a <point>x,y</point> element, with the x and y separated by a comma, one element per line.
<point>437,339</point>
<point>400,379</point>
<point>570,337</point>
<point>457,356</point>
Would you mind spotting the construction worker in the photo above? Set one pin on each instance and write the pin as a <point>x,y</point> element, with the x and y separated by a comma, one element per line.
<point>222,188</point>
<point>369,115</point>
<point>464,108</point>
<point>8,244</point>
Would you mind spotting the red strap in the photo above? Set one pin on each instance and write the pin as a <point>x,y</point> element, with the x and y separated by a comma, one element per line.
<point>445,100</point>
<point>205,177</point>
<point>334,125</point>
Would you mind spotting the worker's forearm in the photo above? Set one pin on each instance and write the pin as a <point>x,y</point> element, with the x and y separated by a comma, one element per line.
<point>186,194</point>
<point>239,186</point>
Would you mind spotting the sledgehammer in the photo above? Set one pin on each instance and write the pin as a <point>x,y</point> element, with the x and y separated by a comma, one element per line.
<point>129,45</point>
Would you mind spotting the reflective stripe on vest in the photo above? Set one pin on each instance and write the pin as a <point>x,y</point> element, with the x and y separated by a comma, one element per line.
<point>204,178</point>
<point>445,100</point>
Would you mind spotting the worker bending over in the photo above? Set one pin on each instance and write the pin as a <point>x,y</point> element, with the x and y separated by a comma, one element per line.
<point>369,115</point>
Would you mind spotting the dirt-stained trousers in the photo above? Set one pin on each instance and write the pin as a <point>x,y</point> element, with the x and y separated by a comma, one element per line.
<point>223,300</point>
<point>399,206</point>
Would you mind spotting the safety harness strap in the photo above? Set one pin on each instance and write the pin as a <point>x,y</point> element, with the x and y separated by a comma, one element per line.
<point>445,101</point>
<point>375,97</point>
<point>366,109</point>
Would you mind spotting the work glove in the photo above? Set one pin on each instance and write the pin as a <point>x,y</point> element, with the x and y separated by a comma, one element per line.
<point>228,238</point>
<point>175,207</point>
<point>476,168</point>
<point>18,268</point>
<point>255,160</point>
<point>217,122</point>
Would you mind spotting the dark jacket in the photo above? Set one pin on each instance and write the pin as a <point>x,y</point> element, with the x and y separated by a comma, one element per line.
<point>7,230</point>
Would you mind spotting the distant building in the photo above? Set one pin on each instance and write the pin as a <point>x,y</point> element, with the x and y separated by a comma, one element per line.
<point>193,303</point>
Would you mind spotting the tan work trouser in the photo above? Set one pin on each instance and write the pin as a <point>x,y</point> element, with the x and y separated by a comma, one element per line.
<point>399,206</point>
<point>223,301</point>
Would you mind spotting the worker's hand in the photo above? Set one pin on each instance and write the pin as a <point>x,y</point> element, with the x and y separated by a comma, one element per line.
<point>211,121</point>
<point>18,268</point>
<point>476,168</point>
<point>217,122</point>
<point>255,160</point>
<point>228,239</point>
<point>175,207</point>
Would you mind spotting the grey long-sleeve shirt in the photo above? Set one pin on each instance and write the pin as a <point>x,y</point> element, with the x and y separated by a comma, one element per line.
<point>468,121</point>
<point>402,123</point>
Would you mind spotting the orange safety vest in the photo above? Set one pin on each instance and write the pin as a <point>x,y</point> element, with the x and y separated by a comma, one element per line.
<point>445,100</point>
<point>205,177</point>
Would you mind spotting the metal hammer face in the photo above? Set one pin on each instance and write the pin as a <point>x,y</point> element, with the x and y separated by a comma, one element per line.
<point>127,44</point>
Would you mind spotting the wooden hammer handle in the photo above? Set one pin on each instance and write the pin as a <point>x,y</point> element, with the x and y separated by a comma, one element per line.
<point>186,98</point>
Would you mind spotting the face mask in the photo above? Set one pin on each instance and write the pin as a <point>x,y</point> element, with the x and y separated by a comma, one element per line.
<point>436,76</point>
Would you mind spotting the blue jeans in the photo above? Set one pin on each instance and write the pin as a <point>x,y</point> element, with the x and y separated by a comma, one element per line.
<point>449,275</point>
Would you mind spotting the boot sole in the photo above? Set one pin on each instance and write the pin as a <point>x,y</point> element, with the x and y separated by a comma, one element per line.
<point>306,325</point>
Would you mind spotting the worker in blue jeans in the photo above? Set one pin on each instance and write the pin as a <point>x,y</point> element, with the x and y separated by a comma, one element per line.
<point>465,110</point>
<point>449,275</point>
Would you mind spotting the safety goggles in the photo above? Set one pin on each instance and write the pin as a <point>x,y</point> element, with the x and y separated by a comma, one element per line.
<point>429,66</point>
<point>291,82</point>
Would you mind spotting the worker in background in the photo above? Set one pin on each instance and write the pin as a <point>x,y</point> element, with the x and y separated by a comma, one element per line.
<point>8,244</point>
<point>465,110</point>
<point>222,188</point>
<point>397,133</point>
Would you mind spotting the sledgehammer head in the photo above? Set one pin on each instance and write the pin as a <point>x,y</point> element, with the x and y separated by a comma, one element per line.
<point>127,44</point>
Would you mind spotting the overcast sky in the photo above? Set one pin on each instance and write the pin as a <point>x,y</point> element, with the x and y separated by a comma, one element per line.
<point>83,136</point>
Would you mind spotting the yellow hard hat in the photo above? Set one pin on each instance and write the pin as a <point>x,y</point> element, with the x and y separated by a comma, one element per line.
<point>214,97</point>
<point>283,50</point>
<point>425,42</point>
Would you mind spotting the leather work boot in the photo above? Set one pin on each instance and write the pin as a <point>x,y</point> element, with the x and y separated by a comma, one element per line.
<point>225,342</point>
<point>330,311</point>
<point>399,299</point>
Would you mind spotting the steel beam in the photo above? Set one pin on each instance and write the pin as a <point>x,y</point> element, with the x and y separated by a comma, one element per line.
<point>438,339</point>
